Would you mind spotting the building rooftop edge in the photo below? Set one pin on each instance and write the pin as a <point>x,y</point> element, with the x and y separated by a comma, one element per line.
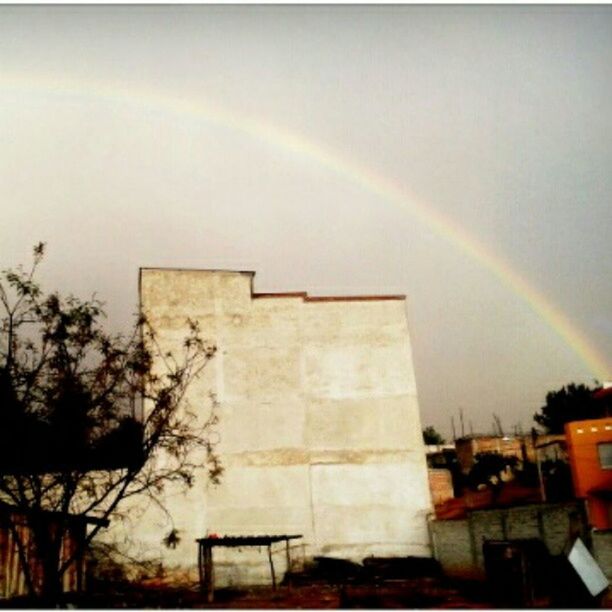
<point>187,269</point>
<point>286,294</point>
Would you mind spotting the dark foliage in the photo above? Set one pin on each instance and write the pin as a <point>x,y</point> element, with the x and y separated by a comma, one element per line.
<point>570,403</point>
<point>488,467</point>
<point>431,436</point>
<point>85,414</point>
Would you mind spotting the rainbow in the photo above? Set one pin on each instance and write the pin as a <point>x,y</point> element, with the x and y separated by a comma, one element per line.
<point>341,165</point>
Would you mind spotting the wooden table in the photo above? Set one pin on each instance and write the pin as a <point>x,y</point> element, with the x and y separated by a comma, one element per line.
<point>205,558</point>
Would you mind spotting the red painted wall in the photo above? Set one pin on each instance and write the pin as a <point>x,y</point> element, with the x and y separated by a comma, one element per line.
<point>591,481</point>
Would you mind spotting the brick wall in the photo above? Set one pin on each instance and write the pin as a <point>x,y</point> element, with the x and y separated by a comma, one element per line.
<point>440,484</point>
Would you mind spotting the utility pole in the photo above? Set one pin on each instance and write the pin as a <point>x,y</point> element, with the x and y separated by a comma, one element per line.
<point>540,477</point>
<point>498,425</point>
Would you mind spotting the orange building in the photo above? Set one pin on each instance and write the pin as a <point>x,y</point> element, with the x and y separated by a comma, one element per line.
<point>589,445</point>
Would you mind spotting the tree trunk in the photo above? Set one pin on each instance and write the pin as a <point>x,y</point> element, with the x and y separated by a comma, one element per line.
<point>24,560</point>
<point>48,548</point>
<point>51,587</point>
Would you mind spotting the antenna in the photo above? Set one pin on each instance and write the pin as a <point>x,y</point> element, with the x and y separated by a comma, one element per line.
<point>453,426</point>
<point>462,424</point>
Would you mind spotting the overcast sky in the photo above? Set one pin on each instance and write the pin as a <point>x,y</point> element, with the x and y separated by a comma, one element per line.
<point>258,138</point>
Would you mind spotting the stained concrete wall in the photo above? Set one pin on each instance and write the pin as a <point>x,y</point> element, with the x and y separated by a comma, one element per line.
<point>319,430</point>
<point>458,544</point>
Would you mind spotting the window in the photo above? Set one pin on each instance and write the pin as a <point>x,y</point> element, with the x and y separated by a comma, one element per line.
<point>605,455</point>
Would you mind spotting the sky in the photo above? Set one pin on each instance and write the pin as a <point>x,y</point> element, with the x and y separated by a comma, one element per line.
<point>459,155</point>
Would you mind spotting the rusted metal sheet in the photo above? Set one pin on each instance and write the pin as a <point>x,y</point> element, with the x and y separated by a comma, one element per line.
<point>13,578</point>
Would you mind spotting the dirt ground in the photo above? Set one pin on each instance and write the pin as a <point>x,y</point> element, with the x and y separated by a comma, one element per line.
<point>329,584</point>
<point>423,593</point>
<point>414,593</point>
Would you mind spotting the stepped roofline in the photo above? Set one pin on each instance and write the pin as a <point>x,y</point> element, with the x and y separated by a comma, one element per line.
<point>287,294</point>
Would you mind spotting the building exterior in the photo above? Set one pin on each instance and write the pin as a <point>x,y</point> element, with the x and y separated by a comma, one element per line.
<point>319,430</point>
<point>544,447</point>
<point>440,485</point>
<point>443,469</point>
<point>590,453</point>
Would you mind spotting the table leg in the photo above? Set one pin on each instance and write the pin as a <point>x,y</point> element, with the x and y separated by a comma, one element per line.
<point>272,566</point>
<point>288,554</point>
<point>209,573</point>
<point>201,565</point>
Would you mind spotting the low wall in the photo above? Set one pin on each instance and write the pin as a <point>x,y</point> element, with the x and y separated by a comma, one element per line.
<point>457,544</point>
<point>602,551</point>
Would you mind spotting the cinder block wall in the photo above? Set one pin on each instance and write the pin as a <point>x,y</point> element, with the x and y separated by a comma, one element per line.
<point>602,551</point>
<point>457,545</point>
<point>319,429</point>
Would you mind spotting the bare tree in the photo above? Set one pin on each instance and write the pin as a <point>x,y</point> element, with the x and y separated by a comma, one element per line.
<point>86,420</point>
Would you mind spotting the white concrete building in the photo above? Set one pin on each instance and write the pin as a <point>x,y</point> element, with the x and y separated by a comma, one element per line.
<point>319,429</point>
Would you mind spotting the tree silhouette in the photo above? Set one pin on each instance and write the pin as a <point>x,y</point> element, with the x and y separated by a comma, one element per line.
<point>570,403</point>
<point>85,418</point>
<point>431,436</point>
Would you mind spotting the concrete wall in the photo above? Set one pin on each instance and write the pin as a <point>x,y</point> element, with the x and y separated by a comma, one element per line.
<point>458,544</point>
<point>319,429</point>
<point>602,551</point>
